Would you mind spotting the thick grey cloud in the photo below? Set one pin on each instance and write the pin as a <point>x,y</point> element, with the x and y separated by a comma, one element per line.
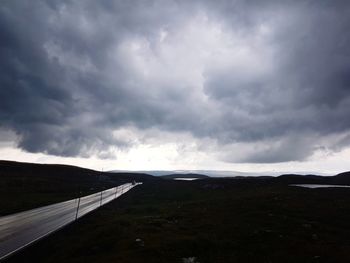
<point>236,72</point>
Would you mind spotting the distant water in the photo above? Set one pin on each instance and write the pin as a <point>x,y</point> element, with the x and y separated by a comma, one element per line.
<point>185,179</point>
<point>320,185</point>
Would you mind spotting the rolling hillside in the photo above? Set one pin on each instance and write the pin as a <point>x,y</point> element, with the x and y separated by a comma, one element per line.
<point>26,185</point>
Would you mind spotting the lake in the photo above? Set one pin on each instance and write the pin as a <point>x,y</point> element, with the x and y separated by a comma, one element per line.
<point>320,185</point>
<point>185,179</point>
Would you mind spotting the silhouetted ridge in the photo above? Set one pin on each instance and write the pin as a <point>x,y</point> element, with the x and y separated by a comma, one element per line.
<point>66,172</point>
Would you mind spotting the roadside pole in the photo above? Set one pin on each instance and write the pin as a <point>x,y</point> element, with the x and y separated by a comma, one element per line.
<point>101,186</point>
<point>76,215</point>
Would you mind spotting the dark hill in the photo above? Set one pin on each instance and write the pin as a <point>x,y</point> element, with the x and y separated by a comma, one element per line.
<point>66,172</point>
<point>301,179</point>
<point>139,177</point>
<point>342,178</point>
<point>27,185</point>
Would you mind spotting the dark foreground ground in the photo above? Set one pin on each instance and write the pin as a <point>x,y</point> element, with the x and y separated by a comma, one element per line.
<point>219,220</point>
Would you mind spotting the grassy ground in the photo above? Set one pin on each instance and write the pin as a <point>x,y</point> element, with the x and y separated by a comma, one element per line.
<point>211,220</point>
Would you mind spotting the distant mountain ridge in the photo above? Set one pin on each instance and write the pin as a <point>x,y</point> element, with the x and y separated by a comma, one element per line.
<point>211,173</point>
<point>341,179</point>
<point>75,173</point>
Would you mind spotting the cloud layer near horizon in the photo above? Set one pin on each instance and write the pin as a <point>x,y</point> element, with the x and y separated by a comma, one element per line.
<point>257,81</point>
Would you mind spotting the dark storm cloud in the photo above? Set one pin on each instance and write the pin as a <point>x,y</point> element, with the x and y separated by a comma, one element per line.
<point>69,75</point>
<point>49,100</point>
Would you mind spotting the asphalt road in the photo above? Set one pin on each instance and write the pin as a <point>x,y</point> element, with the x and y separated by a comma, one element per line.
<point>21,229</point>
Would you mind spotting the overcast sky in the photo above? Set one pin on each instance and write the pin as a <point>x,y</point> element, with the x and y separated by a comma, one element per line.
<point>225,85</point>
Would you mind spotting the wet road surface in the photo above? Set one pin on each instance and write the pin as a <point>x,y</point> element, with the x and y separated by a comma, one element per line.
<point>21,229</point>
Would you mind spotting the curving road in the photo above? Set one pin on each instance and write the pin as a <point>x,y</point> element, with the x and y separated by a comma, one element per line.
<point>21,229</point>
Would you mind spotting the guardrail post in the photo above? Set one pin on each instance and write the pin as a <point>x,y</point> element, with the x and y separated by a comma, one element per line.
<point>76,215</point>
<point>116,189</point>
<point>101,199</point>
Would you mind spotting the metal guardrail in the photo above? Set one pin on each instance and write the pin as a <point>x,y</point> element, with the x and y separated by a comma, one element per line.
<point>22,229</point>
